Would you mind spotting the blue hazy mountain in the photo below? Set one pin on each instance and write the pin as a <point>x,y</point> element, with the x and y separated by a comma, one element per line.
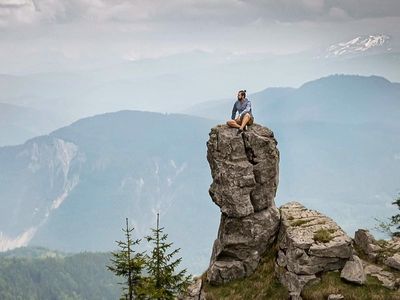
<point>72,189</point>
<point>182,79</point>
<point>19,123</point>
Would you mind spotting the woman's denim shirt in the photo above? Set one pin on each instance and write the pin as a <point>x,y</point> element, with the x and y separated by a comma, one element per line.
<point>242,107</point>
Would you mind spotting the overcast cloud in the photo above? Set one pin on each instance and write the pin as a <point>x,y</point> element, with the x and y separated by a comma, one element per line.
<point>224,12</point>
<point>40,35</point>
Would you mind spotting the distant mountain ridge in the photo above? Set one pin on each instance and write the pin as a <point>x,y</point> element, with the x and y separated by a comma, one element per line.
<point>33,252</point>
<point>321,99</point>
<point>172,82</point>
<point>19,123</point>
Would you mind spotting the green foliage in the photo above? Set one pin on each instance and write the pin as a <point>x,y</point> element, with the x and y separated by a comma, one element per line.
<point>163,282</point>
<point>394,221</point>
<point>129,264</point>
<point>322,235</point>
<point>73,277</point>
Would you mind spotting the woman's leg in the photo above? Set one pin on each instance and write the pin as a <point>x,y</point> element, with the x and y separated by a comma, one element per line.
<point>245,119</point>
<point>234,123</point>
<point>251,121</point>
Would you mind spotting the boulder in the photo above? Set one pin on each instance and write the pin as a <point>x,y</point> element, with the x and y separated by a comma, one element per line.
<point>245,175</point>
<point>393,261</point>
<point>353,271</point>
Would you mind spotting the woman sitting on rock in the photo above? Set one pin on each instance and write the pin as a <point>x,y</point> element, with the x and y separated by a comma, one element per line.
<point>243,106</point>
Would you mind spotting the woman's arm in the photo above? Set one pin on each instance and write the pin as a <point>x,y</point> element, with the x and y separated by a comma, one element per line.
<point>234,110</point>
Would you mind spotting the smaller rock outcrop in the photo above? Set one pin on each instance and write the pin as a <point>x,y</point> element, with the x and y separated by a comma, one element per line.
<point>393,261</point>
<point>366,241</point>
<point>309,243</point>
<point>385,252</point>
<point>388,279</point>
<point>382,257</point>
<point>353,271</point>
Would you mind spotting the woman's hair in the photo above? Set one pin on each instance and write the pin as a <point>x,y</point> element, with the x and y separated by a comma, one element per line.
<point>243,93</point>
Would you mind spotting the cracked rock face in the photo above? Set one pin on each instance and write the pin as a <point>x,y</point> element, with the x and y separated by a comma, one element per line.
<point>245,175</point>
<point>309,243</point>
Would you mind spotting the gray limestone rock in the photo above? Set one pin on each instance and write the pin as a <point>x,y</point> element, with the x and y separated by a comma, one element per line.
<point>387,252</point>
<point>366,241</point>
<point>302,253</point>
<point>353,271</point>
<point>393,261</point>
<point>245,175</point>
<point>193,291</point>
<point>335,297</point>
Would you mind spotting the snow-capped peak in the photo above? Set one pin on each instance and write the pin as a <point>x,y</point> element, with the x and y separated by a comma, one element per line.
<point>358,45</point>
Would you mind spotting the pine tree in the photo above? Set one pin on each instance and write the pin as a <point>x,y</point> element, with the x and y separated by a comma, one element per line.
<point>394,220</point>
<point>129,264</point>
<point>162,282</point>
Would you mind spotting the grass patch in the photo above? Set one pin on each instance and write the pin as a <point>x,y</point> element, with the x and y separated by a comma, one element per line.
<point>300,222</point>
<point>318,223</point>
<point>322,235</point>
<point>382,243</point>
<point>331,283</point>
<point>262,284</point>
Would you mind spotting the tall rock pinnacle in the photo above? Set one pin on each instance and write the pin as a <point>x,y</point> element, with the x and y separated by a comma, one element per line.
<point>245,172</point>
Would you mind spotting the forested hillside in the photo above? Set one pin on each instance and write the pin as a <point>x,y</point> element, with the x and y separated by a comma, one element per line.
<point>38,273</point>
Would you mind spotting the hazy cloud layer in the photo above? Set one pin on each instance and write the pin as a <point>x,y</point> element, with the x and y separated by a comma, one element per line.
<point>221,11</point>
<point>49,34</point>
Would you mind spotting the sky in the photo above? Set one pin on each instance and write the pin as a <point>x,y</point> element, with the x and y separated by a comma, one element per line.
<point>53,35</point>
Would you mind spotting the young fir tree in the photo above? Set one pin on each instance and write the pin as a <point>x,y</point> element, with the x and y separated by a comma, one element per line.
<point>129,264</point>
<point>395,220</point>
<point>162,282</point>
<point>386,227</point>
